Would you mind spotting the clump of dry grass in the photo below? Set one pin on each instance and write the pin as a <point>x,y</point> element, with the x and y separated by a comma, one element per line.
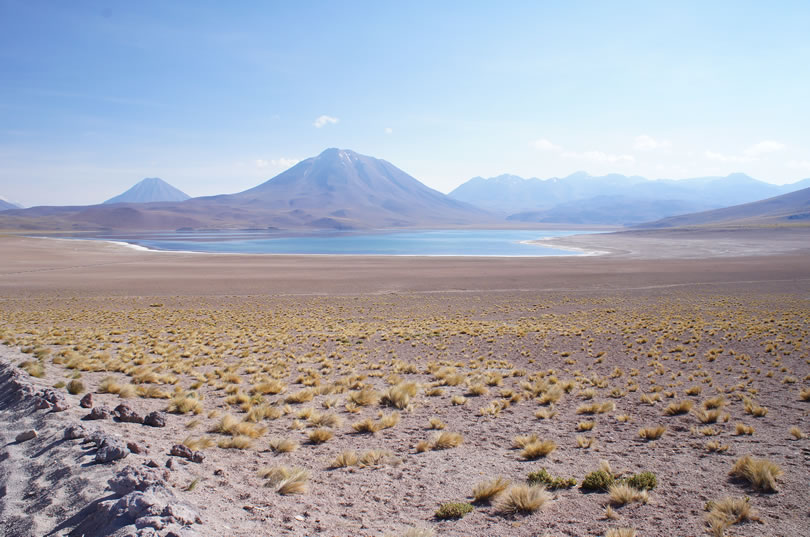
<point>436,423</point>
<point>538,448</point>
<point>545,414</point>
<point>283,445</point>
<point>754,409</point>
<point>319,436</point>
<point>399,396</point>
<point>345,459</point>
<point>458,400</point>
<point>727,512</point>
<point>710,416</point>
<point>183,403</point>
<point>520,442</point>
<point>652,433</point>
<point>596,408</point>
<point>804,394</point>
<point>760,473</point>
<point>196,444</point>
<point>236,442</point>
<point>678,408</point>
<point>622,494</point>
<point>796,433</point>
<point>714,402</point>
<point>446,440</point>
<point>270,387</point>
<point>714,446</point>
<point>286,480</point>
<point>486,491</point>
<point>301,396</point>
<point>523,499</point>
<point>585,442</point>
<point>366,396</point>
<point>743,429</point>
<point>585,425</point>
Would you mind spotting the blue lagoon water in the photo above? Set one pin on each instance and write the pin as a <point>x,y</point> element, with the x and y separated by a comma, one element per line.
<point>461,242</point>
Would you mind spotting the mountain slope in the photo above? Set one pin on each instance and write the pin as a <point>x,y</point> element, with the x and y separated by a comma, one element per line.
<point>609,210</point>
<point>338,189</point>
<point>6,205</point>
<point>787,208</point>
<point>150,190</point>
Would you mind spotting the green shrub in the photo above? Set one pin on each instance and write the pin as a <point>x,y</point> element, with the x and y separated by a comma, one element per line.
<point>643,481</point>
<point>597,480</point>
<point>453,510</point>
<point>542,477</point>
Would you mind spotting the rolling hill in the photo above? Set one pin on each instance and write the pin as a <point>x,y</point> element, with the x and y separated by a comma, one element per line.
<point>150,190</point>
<point>6,205</point>
<point>787,208</point>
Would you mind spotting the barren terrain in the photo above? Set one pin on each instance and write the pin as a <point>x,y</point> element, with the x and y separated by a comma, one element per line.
<point>280,367</point>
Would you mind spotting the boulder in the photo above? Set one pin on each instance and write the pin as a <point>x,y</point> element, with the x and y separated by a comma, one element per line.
<point>99,413</point>
<point>72,432</point>
<point>25,436</point>
<point>86,401</point>
<point>111,450</point>
<point>155,419</point>
<point>126,414</point>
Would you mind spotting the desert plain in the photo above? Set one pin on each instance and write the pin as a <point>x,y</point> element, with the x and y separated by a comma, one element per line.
<point>659,387</point>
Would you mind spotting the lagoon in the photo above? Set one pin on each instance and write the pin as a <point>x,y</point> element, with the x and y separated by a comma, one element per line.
<point>456,242</point>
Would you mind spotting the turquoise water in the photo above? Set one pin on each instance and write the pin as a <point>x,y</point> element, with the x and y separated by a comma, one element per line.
<point>464,242</point>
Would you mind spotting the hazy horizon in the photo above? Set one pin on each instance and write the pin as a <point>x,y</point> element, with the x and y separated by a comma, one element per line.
<point>217,99</point>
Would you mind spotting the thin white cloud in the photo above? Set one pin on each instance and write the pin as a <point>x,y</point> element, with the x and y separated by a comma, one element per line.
<point>389,130</point>
<point>648,143</point>
<point>799,165</point>
<point>600,156</point>
<point>763,147</point>
<point>325,120</point>
<point>543,144</point>
<point>720,157</point>
<point>276,163</point>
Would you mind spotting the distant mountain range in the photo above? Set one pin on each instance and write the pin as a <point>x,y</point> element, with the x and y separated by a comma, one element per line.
<point>611,199</point>
<point>792,208</point>
<point>149,190</point>
<point>337,190</point>
<point>6,205</point>
<point>343,190</point>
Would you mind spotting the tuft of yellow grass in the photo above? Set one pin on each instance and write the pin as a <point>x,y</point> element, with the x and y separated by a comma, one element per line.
<point>436,423</point>
<point>545,414</point>
<point>679,407</point>
<point>743,429</point>
<point>345,459</point>
<point>446,440</point>
<point>286,480</point>
<point>182,403</point>
<point>486,491</point>
<point>596,408</point>
<point>319,436</point>
<point>796,433</point>
<point>762,474</point>
<point>236,442</point>
<point>537,449</point>
<point>622,494</point>
<point>652,433</point>
<point>727,512</point>
<point>621,532</point>
<point>283,445</point>
<point>523,499</point>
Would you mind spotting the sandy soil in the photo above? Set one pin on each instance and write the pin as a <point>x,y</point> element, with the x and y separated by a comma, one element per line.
<point>621,325</point>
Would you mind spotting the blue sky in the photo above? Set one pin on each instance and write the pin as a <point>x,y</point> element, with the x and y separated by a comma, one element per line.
<point>216,97</point>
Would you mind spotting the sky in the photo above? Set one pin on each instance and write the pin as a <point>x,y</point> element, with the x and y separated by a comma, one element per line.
<point>217,97</point>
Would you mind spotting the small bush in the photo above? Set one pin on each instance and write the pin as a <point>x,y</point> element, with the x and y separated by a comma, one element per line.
<point>652,433</point>
<point>643,481</point>
<point>453,510</point>
<point>542,477</point>
<point>598,480</point>
<point>535,450</point>
<point>681,407</point>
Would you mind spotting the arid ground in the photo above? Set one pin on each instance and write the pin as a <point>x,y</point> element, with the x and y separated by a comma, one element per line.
<point>357,395</point>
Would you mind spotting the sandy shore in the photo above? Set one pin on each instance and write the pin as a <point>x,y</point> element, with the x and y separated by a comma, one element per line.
<point>647,319</point>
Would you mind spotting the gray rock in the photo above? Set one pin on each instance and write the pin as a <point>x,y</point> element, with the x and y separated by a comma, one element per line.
<point>111,450</point>
<point>155,419</point>
<point>131,479</point>
<point>57,401</point>
<point>86,401</point>
<point>25,436</point>
<point>124,413</point>
<point>99,413</point>
<point>179,450</point>
<point>135,448</point>
<point>73,432</point>
<point>41,404</point>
